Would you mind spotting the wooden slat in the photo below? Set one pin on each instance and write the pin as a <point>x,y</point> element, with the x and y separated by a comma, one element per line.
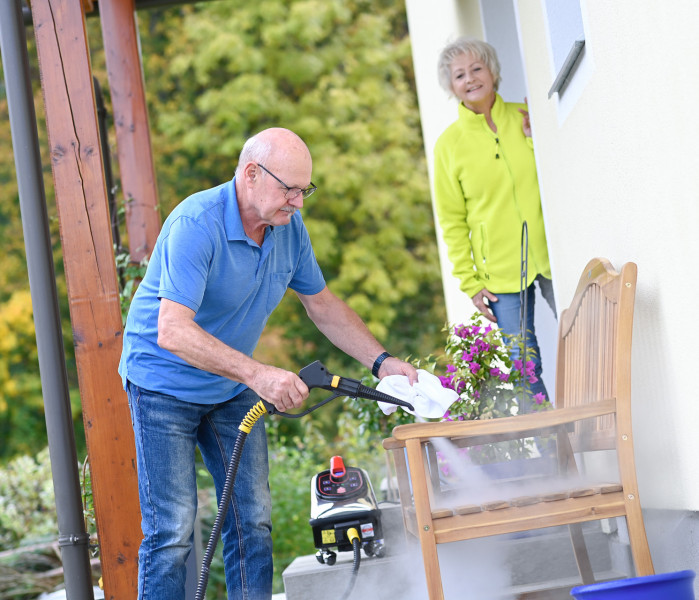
<point>523,518</point>
<point>583,491</point>
<point>525,500</point>
<point>495,505</point>
<point>608,488</point>
<point>136,169</point>
<point>467,509</point>
<point>553,496</point>
<point>90,271</point>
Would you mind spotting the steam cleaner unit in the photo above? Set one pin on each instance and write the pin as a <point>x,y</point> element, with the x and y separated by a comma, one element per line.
<point>342,499</point>
<point>314,375</point>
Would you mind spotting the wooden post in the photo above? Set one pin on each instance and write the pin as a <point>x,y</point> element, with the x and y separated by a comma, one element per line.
<point>81,199</point>
<point>136,169</point>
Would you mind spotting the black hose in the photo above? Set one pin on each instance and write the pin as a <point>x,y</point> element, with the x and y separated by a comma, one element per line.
<point>356,547</point>
<point>523,301</point>
<point>221,515</point>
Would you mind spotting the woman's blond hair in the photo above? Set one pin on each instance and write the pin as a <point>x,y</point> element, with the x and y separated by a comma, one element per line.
<point>483,51</point>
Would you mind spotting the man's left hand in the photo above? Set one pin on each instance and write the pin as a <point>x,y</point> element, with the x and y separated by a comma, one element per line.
<point>395,366</point>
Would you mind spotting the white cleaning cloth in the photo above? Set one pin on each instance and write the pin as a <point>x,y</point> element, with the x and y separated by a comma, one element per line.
<point>429,398</point>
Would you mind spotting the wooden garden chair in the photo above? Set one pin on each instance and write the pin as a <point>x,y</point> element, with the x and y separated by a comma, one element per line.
<point>592,412</point>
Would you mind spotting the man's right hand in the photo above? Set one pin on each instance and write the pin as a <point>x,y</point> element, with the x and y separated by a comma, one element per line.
<point>284,389</point>
<point>479,303</point>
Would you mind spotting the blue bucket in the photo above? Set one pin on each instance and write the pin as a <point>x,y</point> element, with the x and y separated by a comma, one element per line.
<point>668,586</point>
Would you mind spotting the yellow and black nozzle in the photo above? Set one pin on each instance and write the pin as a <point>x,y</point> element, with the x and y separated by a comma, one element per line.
<point>315,375</point>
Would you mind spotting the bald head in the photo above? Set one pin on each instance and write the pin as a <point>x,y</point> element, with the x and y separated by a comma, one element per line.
<point>272,146</point>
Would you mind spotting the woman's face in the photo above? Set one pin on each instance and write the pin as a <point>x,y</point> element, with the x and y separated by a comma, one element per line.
<point>472,82</point>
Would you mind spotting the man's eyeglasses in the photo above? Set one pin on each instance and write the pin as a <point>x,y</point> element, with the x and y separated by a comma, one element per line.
<point>291,192</point>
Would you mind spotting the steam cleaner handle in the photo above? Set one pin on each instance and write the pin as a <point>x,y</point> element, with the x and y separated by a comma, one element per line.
<point>271,409</point>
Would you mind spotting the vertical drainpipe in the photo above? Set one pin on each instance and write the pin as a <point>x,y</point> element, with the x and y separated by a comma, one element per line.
<point>72,537</point>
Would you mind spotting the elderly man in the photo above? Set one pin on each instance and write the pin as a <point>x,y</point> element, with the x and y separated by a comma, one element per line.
<point>221,264</point>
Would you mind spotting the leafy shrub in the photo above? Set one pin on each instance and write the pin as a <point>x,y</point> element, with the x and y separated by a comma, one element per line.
<point>27,505</point>
<point>27,516</point>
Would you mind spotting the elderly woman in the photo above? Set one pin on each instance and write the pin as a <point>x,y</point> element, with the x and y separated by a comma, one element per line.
<point>485,188</point>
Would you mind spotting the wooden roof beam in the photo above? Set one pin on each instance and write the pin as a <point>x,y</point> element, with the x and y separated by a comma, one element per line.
<point>136,168</point>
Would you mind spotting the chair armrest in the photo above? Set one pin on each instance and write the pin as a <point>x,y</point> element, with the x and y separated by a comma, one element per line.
<point>508,427</point>
<point>393,444</point>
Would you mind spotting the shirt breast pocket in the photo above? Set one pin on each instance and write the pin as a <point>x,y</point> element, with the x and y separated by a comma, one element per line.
<point>278,284</point>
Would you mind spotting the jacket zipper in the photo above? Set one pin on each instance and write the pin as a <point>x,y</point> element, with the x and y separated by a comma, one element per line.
<point>499,154</point>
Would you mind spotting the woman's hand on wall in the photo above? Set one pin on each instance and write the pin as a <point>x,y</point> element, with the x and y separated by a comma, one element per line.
<point>526,124</point>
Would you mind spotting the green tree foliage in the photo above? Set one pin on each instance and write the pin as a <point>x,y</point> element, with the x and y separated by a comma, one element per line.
<point>26,501</point>
<point>339,73</point>
<point>21,414</point>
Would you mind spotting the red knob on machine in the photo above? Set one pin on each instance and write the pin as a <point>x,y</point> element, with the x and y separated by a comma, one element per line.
<point>337,468</point>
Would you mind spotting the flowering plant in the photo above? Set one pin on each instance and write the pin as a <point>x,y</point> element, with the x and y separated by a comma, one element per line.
<point>481,371</point>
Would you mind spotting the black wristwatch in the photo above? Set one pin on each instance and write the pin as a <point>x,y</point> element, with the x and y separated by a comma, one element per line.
<point>377,363</point>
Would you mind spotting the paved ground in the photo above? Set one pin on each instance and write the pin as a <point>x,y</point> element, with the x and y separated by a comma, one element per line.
<point>60,595</point>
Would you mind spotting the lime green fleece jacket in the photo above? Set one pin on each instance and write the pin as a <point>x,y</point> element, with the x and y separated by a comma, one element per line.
<point>485,187</point>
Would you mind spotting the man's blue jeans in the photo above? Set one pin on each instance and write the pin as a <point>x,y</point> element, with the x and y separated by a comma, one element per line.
<point>507,312</point>
<point>167,431</point>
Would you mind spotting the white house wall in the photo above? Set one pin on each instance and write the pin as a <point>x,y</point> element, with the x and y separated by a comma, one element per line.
<point>619,175</point>
<point>432,25</point>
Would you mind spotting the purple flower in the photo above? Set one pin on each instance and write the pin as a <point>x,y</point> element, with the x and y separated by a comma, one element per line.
<point>539,398</point>
<point>476,394</point>
<point>451,369</point>
<point>475,367</point>
<point>495,372</point>
<point>461,331</point>
<point>445,381</point>
<point>533,379</point>
<point>504,377</point>
<point>467,356</point>
<point>460,387</point>
<point>518,364</point>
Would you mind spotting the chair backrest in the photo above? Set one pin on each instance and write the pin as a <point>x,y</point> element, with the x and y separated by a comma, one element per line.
<point>594,351</point>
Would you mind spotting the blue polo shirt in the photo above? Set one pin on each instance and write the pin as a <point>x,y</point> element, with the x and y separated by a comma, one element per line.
<point>204,260</point>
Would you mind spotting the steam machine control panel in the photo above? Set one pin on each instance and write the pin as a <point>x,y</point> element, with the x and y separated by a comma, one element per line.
<point>344,486</point>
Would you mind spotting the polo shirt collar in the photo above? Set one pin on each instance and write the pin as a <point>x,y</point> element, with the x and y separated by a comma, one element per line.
<point>232,221</point>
